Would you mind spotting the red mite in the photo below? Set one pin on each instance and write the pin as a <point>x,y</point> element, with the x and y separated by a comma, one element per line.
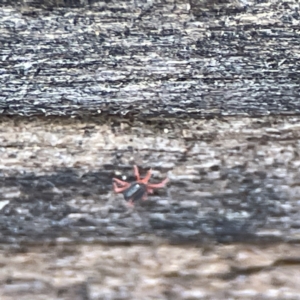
<point>134,191</point>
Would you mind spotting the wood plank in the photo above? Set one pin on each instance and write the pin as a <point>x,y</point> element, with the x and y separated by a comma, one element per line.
<point>147,59</point>
<point>231,179</point>
<point>204,92</point>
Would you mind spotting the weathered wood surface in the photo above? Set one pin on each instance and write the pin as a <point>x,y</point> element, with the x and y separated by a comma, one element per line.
<point>64,233</point>
<point>78,272</point>
<point>165,58</point>
<point>122,67</point>
<point>231,180</point>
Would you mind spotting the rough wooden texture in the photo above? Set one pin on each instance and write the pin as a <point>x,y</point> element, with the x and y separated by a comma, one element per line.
<point>227,225</point>
<point>151,58</point>
<point>233,181</point>
<point>78,272</point>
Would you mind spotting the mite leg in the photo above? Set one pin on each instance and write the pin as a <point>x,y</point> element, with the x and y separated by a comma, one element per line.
<point>149,190</point>
<point>119,189</point>
<point>130,203</point>
<point>145,196</point>
<point>157,185</point>
<point>136,172</point>
<point>120,182</point>
<point>146,178</point>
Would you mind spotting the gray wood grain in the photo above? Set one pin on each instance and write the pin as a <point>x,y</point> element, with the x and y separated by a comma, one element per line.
<point>231,209</point>
<point>231,180</point>
<point>203,92</point>
<point>170,58</point>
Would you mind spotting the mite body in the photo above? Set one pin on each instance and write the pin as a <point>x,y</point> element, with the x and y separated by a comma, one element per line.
<point>137,190</point>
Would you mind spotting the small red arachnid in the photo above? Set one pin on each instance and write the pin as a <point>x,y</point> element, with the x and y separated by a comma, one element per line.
<point>134,191</point>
